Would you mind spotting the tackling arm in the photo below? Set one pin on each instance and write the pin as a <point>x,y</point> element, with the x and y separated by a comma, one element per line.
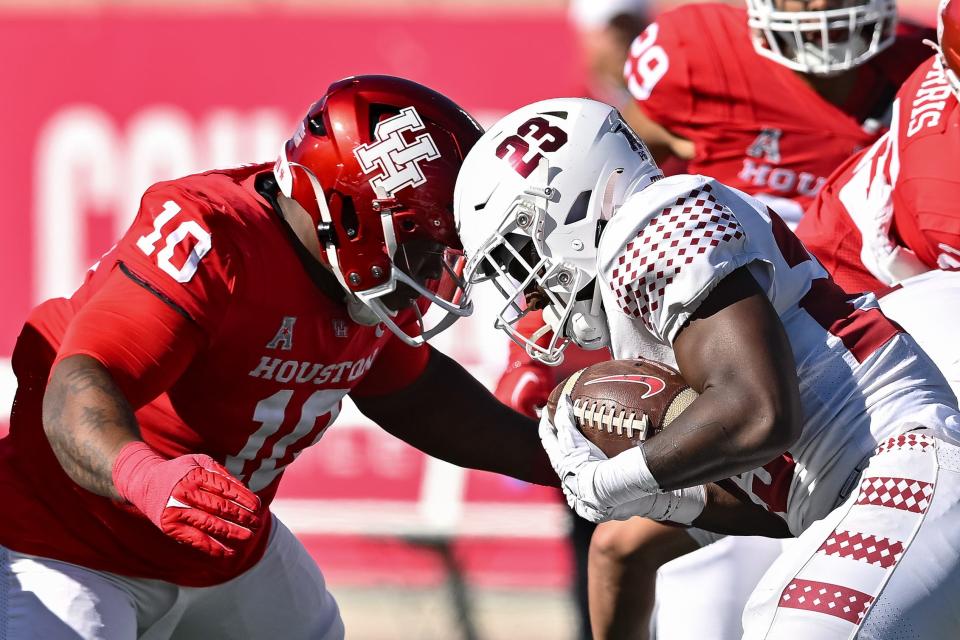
<point>448,414</point>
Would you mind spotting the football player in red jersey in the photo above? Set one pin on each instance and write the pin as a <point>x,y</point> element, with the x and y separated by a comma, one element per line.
<point>158,406</point>
<point>890,216</point>
<point>770,100</point>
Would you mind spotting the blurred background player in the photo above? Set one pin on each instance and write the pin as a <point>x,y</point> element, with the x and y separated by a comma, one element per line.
<point>710,91</point>
<point>772,98</point>
<point>213,344</point>
<point>604,30</point>
<point>888,220</point>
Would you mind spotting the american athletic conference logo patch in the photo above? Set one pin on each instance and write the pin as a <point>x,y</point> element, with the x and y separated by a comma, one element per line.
<point>654,385</point>
<point>397,160</point>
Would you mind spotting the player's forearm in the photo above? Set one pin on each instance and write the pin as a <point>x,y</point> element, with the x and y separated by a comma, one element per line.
<point>503,441</point>
<point>719,436</point>
<point>449,415</point>
<point>478,432</point>
<point>87,420</point>
<point>731,512</point>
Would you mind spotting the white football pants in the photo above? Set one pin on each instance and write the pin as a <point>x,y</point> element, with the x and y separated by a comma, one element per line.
<point>885,565</point>
<point>282,596</point>
<point>700,596</point>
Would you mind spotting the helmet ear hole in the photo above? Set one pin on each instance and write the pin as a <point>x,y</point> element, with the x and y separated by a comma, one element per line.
<point>407,225</point>
<point>578,211</point>
<point>316,125</point>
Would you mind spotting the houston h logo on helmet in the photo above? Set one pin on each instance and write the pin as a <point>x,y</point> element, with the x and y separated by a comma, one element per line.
<point>397,160</point>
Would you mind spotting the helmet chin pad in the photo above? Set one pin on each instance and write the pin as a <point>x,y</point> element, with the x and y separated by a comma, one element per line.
<point>816,56</point>
<point>361,313</point>
<point>584,323</point>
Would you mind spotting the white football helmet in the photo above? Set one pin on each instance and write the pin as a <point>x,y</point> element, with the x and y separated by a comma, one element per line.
<point>822,42</point>
<point>530,203</point>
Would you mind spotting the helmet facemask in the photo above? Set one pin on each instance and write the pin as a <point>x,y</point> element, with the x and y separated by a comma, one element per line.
<point>512,260</point>
<point>532,231</point>
<point>822,42</point>
<point>427,280</point>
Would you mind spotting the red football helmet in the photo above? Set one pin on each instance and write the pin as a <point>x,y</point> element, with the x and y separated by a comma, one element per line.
<point>948,40</point>
<point>374,163</point>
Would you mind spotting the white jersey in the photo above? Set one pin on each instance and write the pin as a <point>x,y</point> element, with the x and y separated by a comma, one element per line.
<point>862,380</point>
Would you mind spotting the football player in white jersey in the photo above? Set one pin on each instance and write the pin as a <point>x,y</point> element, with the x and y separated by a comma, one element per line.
<point>819,407</point>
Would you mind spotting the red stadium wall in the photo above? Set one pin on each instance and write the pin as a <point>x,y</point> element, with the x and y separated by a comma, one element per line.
<point>97,106</point>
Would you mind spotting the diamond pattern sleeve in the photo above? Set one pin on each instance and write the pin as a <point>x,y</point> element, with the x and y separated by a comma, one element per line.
<point>665,270</point>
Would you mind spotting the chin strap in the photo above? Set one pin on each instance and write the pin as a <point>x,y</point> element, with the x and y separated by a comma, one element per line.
<point>266,185</point>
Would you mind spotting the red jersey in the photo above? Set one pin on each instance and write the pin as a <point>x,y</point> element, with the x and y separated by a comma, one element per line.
<point>893,210</point>
<point>276,360</point>
<point>757,125</point>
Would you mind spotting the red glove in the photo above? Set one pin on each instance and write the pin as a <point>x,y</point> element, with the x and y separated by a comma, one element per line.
<point>191,498</point>
<point>524,388</point>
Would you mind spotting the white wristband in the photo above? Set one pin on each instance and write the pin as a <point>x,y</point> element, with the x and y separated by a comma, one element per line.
<point>624,477</point>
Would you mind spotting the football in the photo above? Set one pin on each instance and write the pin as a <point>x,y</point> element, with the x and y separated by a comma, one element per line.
<point>620,403</point>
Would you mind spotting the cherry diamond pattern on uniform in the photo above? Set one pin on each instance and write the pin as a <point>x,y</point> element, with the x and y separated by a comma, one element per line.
<point>897,493</point>
<point>906,442</point>
<point>824,597</point>
<point>882,552</point>
<point>672,239</point>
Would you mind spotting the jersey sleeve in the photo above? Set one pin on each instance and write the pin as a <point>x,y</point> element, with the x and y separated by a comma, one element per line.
<point>657,71</point>
<point>144,342</point>
<point>182,251</point>
<point>662,273</point>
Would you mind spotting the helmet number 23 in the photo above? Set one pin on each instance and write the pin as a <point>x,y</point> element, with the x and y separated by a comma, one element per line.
<point>186,229</point>
<point>544,136</point>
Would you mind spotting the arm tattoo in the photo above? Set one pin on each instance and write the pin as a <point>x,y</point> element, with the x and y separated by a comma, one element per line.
<point>87,421</point>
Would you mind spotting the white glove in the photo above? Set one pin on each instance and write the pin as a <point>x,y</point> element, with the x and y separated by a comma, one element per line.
<point>570,454</point>
<point>601,489</point>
